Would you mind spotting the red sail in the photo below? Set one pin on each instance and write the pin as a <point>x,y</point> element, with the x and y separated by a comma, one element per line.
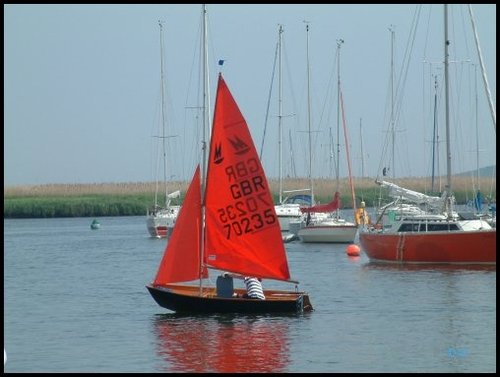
<point>324,208</point>
<point>242,230</point>
<point>181,260</point>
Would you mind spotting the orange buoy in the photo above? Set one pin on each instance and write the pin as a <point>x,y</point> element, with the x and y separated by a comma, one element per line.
<point>352,250</point>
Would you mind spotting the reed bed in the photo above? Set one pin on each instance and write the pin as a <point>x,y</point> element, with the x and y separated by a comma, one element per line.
<point>65,190</point>
<point>323,188</point>
<point>124,199</point>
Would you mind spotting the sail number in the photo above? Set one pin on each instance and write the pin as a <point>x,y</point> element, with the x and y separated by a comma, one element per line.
<point>251,210</point>
<point>245,224</point>
<point>245,216</point>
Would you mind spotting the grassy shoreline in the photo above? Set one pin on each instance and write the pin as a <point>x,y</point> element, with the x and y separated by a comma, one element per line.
<point>133,199</point>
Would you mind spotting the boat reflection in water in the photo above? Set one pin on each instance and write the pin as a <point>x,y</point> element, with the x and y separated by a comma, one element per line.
<point>223,343</point>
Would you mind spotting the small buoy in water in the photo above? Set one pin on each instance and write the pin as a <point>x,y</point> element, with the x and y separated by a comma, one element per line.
<point>289,237</point>
<point>352,250</point>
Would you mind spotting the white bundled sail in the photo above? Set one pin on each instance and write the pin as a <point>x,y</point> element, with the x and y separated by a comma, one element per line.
<point>399,192</point>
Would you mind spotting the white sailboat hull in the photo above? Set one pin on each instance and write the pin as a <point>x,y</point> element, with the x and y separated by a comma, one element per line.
<point>288,212</point>
<point>285,219</point>
<point>161,223</point>
<point>328,232</point>
<point>285,222</point>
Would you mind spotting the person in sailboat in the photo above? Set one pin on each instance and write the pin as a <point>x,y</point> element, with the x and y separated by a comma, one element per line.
<point>308,219</point>
<point>252,284</point>
<point>478,201</point>
<point>254,288</point>
<point>361,217</point>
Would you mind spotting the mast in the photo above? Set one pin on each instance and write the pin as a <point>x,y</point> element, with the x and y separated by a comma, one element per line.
<point>206,131</point>
<point>339,42</point>
<point>477,129</point>
<point>330,151</point>
<point>309,114</point>
<point>434,133</point>
<point>206,97</point>
<point>163,135</point>
<point>393,131</point>
<point>447,113</point>
<point>280,115</point>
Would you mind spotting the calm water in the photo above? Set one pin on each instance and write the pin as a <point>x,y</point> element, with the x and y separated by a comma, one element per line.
<point>75,301</point>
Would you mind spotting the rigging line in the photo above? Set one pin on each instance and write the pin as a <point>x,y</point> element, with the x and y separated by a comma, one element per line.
<point>292,161</point>
<point>362,179</point>
<point>196,92</point>
<point>346,137</point>
<point>483,71</point>
<point>328,100</point>
<point>328,93</point>
<point>294,103</point>
<point>406,62</point>
<point>155,148</point>
<point>404,67</point>
<point>390,126</point>
<point>402,78</point>
<point>426,39</point>
<point>269,100</point>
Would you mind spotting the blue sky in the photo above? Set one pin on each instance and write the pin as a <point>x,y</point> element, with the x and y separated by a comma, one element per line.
<point>81,87</point>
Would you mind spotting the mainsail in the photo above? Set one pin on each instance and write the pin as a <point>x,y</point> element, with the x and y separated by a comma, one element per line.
<point>242,230</point>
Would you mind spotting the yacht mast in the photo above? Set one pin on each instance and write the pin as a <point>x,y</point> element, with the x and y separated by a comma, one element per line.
<point>163,135</point>
<point>206,131</point>
<point>339,43</point>
<point>434,133</point>
<point>448,187</point>
<point>393,131</point>
<point>477,129</point>
<point>280,115</point>
<point>309,115</point>
<point>206,96</point>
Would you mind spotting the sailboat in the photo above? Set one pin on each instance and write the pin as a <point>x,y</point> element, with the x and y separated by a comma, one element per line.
<point>438,234</point>
<point>227,222</point>
<point>323,223</point>
<point>160,219</point>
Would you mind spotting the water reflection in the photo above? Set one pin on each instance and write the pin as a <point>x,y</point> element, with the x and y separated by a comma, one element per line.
<point>222,343</point>
<point>428,267</point>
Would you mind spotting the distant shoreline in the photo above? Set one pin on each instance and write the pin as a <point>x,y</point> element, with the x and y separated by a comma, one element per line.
<point>134,199</point>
